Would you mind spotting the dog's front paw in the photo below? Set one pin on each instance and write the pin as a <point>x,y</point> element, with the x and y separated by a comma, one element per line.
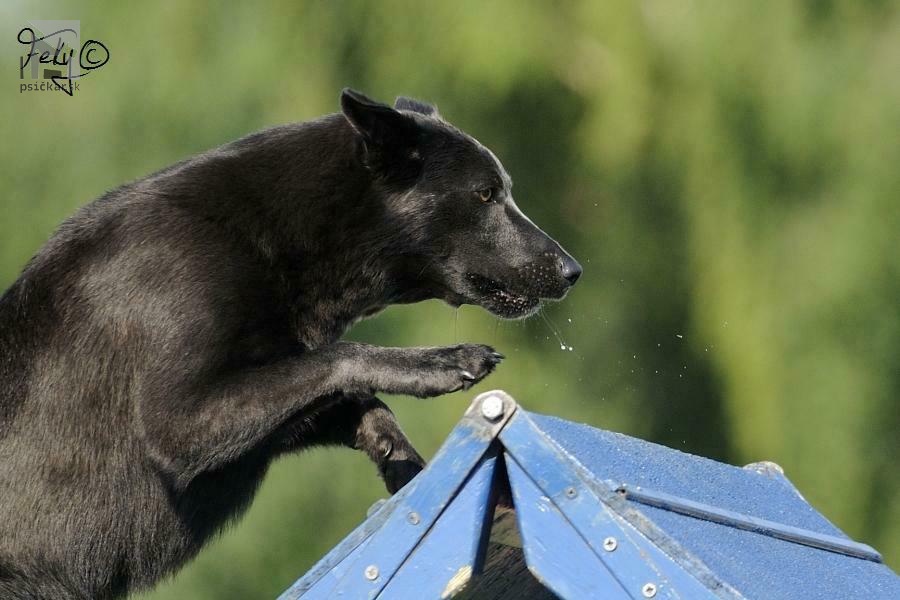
<point>453,368</point>
<point>400,464</point>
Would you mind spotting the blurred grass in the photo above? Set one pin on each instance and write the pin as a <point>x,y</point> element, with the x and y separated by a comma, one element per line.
<point>726,173</point>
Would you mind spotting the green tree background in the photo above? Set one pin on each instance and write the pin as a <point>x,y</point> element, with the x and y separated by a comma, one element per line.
<point>727,173</point>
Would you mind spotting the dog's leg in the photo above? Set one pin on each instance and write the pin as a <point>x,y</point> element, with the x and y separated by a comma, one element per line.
<point>425,372</point>
<point>191,427</point>
<point>364,423</point>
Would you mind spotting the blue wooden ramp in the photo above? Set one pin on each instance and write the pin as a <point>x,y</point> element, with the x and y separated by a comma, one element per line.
<point>596,515</point>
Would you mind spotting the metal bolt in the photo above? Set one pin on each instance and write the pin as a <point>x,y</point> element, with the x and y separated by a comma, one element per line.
<point>492,408</point>
<point>571,492</point>
<point>371,572</point>
<point>413,518</point>
<point>649,590</point>
<point>610,544</point>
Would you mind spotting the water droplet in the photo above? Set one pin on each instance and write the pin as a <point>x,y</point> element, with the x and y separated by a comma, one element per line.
<point>562,346</point>
<point>679,336</point>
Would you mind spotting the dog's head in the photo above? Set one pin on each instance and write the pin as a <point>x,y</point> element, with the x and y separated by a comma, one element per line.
<point>450,201</point>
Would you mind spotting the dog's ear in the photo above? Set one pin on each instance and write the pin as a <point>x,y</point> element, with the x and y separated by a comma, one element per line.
<point>389,139</point>
<point>377,123</point>
<point>413,105</point>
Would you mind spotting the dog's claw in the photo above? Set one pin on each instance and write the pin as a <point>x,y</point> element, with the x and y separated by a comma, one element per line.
<point>467,376</point>
<point>497,356</point>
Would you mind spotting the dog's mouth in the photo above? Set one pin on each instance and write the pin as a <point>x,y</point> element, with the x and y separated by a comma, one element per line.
<point>500,299</point>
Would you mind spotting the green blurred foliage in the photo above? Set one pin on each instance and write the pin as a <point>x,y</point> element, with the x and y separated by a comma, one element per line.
<point>727,173</point>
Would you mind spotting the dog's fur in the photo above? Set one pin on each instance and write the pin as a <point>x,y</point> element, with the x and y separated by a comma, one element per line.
<point>177,334</point>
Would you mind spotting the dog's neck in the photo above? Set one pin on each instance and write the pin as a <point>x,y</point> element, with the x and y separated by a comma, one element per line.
<point>364,264</point>
<point>320,318</point>
<point>325,227</point>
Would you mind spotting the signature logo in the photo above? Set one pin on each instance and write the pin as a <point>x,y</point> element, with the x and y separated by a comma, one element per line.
<point>54,59</point>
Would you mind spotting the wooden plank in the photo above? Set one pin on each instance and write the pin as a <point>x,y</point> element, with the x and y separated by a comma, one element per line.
<point>634,561</point>
<point>453,550</point>
<point>556,555</point>
<point>432,491</point>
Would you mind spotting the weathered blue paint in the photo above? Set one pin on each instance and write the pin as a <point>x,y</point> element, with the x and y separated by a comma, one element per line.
<point>431,492</point>
<point>612,456</point>
<point>635,561</point>
<point>703,529</point>
<point>754,564</point>
<point>772,471</point>
<point>325,574</point>
<point>555,553</point>
<point>449,554</point>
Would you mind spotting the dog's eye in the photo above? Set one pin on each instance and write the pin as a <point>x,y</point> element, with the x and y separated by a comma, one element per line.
<point>486,195</point>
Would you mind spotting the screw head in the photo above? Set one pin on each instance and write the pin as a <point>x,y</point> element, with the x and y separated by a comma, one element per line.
<point>610,544</point>
<point>571,492</point>
<point>492,408</point>
<point>371,572</point>
<point>649,590</point>
<point>413,518</point>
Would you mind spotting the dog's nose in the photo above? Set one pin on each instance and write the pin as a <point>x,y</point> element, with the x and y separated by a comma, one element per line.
<point>570,269</point>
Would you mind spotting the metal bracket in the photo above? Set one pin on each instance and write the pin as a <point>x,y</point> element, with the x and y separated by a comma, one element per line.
<point>491,411</point>
<point>759,525</point>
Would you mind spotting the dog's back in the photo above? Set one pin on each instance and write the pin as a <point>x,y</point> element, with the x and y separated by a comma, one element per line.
<point>128,291</point>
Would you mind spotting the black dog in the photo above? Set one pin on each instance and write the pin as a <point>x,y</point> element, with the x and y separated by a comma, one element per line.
<point>180,332</point>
